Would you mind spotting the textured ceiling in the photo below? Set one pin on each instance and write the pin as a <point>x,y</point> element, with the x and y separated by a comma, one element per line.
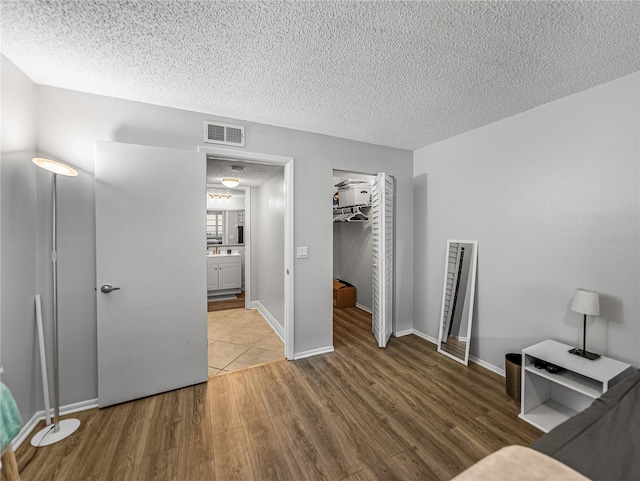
<point>402,74</point>
<point>251,174</point>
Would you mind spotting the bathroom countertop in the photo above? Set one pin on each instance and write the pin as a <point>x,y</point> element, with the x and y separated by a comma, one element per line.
<point>224,254</point>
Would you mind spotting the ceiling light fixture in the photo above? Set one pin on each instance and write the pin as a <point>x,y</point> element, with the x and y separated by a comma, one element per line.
<point>230,182</point>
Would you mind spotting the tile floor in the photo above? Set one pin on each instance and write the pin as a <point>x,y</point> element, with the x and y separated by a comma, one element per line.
<point>240,338</point>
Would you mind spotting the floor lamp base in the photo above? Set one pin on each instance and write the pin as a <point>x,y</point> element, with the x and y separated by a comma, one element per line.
<point>47,436</point>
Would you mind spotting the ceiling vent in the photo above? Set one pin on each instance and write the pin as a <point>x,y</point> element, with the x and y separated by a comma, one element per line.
<point>227,134</point>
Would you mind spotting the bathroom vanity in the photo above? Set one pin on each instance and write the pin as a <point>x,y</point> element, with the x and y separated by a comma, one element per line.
<point>224,273</point>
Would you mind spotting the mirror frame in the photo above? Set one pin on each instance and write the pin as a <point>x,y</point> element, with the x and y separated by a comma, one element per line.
<point>472,273</point>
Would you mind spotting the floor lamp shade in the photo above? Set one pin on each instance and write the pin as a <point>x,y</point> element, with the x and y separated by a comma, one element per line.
<point>587,303</point>
<point>55,167</point>
<point>60,429</point>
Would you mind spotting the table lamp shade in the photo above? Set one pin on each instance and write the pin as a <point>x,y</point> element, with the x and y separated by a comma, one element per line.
<point>586,302</point>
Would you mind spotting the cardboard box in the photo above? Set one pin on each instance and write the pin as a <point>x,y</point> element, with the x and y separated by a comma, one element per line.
<point>344,294</point>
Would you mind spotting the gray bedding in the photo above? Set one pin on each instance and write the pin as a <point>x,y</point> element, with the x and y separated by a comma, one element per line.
<point>603,441</point>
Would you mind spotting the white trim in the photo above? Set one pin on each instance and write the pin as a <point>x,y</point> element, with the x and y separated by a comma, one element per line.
<point>40,416</point>
<point>242,155</point>
<point>289,255</point>
<point>364,308</point>
<point>29,426</point>
<point>289,262</point>
<point>79,406</point>
<point>272,321</point>
<point>474,359</point>
<point>426,337</point>
<point>406,332</point>
<point>313,352</point>
<point>247,247</point>
<point>488,366</point>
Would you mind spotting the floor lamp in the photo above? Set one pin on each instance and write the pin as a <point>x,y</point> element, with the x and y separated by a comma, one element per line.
<point>60,429</point>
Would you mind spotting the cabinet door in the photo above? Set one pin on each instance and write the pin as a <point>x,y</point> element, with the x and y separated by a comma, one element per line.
<point>212,276</point>
<point>230,275</point>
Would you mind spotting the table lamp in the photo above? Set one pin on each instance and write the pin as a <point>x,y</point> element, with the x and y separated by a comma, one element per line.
<point>587,303</point>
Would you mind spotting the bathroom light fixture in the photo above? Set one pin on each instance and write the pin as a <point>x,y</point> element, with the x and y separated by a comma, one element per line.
<point>220,197</point>
<point>230,182</point>
<point>61,429</point>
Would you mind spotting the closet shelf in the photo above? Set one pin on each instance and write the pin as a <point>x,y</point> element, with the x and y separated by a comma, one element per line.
<point>350,214</point>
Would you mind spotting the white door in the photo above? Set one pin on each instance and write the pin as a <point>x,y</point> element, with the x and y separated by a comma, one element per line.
<point>382,240</point>
<point>150,247</point>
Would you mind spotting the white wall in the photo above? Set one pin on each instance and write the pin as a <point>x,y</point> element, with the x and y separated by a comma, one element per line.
<point>269,240</point>
<point>352,242</point>
<point>18,284</point>
<point>552,196</point>
<point>69,123</point>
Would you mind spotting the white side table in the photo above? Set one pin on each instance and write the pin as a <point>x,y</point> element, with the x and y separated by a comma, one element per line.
<point>550,399</point>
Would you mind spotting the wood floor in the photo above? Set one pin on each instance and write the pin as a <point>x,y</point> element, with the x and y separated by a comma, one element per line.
<point>359,413</point>
<point>227,304</point>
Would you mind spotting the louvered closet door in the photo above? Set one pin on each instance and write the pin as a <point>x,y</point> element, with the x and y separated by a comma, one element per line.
<point>382,240</point>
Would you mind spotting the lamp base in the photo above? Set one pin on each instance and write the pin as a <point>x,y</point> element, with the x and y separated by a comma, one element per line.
<point>582,353</point>
<point>47,435</point>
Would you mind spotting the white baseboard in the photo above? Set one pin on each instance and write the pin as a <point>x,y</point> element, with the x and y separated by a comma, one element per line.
<point>30,425</point>
<point>424,336</point>
<point>26,429</point>
<point>275,325</point>
<point>364,308</point>
<point>279,330</point>
<point>313,352</point>
<point>474,359</point>
<point>406,332</point>
<point>486,365</point>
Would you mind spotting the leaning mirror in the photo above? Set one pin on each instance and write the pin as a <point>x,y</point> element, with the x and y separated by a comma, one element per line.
<point>457,299</point>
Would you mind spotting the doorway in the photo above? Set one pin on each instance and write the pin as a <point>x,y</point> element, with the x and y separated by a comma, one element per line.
<point>244,315</point>
<point>266,317</point>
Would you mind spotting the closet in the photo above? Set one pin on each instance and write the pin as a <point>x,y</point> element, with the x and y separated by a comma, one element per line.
<point>363,239</point>
<point>352,234</point>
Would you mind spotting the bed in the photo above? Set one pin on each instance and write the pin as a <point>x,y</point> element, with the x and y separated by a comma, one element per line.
<point>601,443</point>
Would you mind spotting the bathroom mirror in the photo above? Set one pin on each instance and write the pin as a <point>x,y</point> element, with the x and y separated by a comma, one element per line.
<point>457,299</point>
<point>225,227</point>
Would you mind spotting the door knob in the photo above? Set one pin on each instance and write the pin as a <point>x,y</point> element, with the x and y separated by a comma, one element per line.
<point>107,288</point>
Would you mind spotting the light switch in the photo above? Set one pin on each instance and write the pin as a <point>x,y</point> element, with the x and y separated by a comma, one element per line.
<point>303,252</point>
